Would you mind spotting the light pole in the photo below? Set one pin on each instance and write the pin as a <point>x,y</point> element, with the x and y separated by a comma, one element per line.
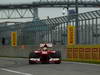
<point>77,35</point>
<point>64,11</point>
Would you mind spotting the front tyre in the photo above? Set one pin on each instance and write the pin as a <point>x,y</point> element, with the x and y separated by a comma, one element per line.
<point>57,55</point>
<point>30,62</point>
<point>33,55</point>
<point>58,62</point>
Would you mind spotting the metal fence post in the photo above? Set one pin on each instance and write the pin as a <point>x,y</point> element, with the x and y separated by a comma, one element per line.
<point>77,37</point>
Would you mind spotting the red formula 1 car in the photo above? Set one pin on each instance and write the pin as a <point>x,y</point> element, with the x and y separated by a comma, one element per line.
<point>44,55</point>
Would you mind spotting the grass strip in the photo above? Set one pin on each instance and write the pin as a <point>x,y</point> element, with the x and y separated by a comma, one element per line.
<point>83,61</point>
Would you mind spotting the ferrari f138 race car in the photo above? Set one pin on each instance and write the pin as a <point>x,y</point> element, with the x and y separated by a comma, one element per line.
<point>45,55</point>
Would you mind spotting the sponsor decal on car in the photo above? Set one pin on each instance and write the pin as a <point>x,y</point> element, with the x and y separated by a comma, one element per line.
<point>44,52</point>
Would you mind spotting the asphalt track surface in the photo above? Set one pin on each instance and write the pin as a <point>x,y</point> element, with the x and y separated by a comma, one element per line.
<point>19,66</point>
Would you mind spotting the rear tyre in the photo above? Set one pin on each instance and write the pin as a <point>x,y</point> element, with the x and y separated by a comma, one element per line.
<point>33,55</point>
<point>56,55</point>
<point>58,62</point>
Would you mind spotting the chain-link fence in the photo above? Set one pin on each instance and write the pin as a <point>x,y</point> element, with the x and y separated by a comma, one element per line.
<point>54,30</point>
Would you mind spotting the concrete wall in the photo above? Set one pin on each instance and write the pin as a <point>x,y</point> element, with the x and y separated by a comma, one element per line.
<point>22,51</point>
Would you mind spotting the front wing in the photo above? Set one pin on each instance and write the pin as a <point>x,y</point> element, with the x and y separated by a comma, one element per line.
<point>51,60</point>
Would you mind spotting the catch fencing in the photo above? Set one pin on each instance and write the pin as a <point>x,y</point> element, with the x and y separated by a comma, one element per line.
<point>54,30</point>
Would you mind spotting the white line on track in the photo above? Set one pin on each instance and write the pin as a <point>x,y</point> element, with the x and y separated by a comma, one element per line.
<point>17,72</point>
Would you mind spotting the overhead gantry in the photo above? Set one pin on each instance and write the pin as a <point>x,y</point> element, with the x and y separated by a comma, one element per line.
<point>30,10</point>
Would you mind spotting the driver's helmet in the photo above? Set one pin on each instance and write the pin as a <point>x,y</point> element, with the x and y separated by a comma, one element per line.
<point>45,47</point>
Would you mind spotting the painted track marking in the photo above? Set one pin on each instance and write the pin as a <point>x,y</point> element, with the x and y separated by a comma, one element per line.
<point>17,72</point>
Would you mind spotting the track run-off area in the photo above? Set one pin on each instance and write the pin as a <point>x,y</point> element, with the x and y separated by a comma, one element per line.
<point>20,66</point>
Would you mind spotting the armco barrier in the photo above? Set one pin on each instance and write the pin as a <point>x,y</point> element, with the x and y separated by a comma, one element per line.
<point>83,52</point>
<point>19,51</point>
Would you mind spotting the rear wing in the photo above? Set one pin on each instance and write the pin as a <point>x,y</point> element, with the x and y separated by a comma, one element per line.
<point>47,44</point>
